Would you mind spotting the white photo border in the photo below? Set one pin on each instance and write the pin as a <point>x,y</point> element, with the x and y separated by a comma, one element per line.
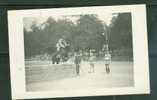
<point>140,51</point>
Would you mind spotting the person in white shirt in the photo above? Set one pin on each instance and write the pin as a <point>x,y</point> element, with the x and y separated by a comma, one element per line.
<point>91,62</point>
<point>107,62</point>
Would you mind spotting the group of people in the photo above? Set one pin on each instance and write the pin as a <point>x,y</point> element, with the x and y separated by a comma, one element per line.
<point>61,55</point>
<point>78,59</point>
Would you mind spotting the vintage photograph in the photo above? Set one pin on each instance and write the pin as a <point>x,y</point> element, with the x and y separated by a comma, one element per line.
<point>78,51</point>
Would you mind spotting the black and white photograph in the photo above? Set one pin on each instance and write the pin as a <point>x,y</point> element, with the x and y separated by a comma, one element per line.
<point>79,50</point>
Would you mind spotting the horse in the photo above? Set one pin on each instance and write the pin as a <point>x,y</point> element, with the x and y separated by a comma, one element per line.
<point>56,58</point>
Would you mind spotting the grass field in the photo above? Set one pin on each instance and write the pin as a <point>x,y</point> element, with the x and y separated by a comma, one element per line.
<point>44,76</point>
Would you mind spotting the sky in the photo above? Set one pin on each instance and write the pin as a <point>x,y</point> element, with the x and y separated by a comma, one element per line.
<point>104,17</point>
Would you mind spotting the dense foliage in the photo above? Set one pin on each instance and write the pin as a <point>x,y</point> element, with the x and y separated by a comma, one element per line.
<point>86,34</point>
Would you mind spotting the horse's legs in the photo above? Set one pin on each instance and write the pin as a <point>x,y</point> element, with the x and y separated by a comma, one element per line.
<point>53,62</point>
<point>57,61</point>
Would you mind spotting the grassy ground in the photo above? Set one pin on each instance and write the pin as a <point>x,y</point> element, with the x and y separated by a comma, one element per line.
<point>44,76</point>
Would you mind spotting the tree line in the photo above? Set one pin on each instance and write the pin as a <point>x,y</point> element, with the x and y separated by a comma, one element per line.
<point>85,34</point>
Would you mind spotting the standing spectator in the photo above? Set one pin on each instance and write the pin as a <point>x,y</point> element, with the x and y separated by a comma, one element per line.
<point>77,62</point>
<point>107,61</point>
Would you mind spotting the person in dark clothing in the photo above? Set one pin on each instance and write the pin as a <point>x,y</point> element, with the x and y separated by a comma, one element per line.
<point>77,62</point>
